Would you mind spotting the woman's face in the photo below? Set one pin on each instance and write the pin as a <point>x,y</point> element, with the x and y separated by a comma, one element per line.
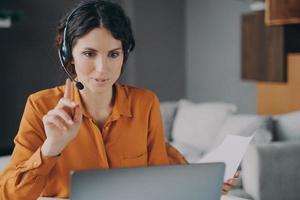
<point>98,59</point>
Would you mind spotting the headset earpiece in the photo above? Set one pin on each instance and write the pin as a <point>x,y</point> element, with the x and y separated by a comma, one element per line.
<point>65,49</point>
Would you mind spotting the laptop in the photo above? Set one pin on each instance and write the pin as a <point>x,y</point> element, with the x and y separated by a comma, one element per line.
<point>173,182</point>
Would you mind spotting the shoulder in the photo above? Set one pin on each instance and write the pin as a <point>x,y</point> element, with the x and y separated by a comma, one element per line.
<point>55,92</point>
<point>46,99</point>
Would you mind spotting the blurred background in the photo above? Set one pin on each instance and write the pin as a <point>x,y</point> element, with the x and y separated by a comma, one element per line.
<point>242,54</point>
<point>185,49</point>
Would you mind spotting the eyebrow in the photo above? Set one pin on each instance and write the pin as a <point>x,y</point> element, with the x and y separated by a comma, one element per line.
<point>91,49</point>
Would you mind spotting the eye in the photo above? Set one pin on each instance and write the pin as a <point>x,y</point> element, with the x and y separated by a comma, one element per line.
<point>114,54</point>
<point>89,54</point>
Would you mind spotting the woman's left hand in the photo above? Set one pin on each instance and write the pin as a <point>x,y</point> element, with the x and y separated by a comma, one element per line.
<point>230,183</point>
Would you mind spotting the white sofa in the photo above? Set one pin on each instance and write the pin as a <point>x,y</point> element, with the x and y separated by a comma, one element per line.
<point>271,166</point>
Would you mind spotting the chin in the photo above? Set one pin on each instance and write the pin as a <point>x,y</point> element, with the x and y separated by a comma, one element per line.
<point>100,87</point>
<point>100,90</point>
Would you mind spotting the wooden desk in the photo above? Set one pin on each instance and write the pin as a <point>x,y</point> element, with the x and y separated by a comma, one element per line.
<point>224,197</point>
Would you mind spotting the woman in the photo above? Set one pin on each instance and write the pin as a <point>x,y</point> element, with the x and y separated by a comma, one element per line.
<point>104,125</point>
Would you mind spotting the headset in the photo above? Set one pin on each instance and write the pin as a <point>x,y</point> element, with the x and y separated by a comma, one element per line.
<point>65,51</point>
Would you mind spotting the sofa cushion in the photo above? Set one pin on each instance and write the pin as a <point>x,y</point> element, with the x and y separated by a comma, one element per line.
<point>246,125</point>
<point>287,126</point>
<point>168,111</point>
<point>196,125</point>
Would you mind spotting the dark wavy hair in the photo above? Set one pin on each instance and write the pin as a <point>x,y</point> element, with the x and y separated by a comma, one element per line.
<point>94,14</point>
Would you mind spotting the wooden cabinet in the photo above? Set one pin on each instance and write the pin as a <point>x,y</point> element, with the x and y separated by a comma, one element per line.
<point>281,12</point>
<point>265,48</point>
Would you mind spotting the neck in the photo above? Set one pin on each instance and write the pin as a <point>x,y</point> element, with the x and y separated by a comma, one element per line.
<point>97,103</point>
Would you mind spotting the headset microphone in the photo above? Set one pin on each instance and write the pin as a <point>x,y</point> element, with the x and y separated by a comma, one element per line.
<point>79,85</point>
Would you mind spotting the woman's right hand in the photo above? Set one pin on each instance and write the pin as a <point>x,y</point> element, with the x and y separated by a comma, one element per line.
<point>60,124</point>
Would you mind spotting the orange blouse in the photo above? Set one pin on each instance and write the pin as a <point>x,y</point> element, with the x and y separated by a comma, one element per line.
<point>132,136</point>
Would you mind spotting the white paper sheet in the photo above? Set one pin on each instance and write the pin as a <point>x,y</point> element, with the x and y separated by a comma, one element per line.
<point>231,152</point>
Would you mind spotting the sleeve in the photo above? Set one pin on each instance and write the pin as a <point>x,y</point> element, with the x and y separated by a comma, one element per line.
<point>174,156</point>
<point>26,174</point>
<point>157,154</point>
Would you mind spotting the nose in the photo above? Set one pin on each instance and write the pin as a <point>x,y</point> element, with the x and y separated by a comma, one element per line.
<point>101,65</point>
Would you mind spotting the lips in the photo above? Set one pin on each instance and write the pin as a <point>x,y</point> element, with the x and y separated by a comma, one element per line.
<point>100,81</point>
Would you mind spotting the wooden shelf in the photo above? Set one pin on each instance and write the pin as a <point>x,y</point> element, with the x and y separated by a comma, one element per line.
<point>265,48</point>
<point>282,12</point>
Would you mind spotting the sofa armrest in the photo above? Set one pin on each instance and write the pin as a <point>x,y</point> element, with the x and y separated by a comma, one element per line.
<point>272,171</point>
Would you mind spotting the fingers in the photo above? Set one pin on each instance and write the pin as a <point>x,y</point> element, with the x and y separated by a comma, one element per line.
<point>237,174</point>
<point>62,114</point>
<point>68,88</point>
<point>55,120</point>
<point>226,188</point>
<point>233,181</point>
<point>78,114</point>
<point>61,118</point>
<point>224,192</point>
<point>230,183</point>
<point>65,102</point>
<point>66,113</point>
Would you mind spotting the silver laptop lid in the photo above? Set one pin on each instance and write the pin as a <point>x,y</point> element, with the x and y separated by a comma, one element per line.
<point>173,182</point>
